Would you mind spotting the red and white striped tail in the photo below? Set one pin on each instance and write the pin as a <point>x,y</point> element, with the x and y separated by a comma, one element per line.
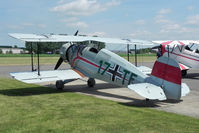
<point>167,74</point>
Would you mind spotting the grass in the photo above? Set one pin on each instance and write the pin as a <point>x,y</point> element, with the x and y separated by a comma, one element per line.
<point>24,59</point>
<point>28,55</point>
<point>32,108</point>
<point>13,61</point>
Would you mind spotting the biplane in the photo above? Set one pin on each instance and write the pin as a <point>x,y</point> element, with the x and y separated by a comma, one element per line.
<point>88,61</point>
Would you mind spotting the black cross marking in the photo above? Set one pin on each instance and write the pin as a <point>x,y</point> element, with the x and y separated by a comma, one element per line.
<point>114,72</point>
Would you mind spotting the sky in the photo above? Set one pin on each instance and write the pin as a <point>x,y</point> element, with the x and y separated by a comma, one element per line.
<point>134,19</point>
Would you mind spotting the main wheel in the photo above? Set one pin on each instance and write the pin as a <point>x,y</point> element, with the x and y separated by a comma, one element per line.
<point>59,84</point>
<point>184,73</point>
<point>91,82</point>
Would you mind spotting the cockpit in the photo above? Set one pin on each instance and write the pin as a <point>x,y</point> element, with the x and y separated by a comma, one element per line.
<point>194,48</point>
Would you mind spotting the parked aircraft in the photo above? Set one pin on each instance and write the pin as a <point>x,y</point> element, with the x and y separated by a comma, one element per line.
<point>164,82</point>
<point>185,52</point>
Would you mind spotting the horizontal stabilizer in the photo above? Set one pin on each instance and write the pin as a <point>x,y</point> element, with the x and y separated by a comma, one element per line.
<point>185,89</point>
<point>148,90</point>
<point>144,69</point>
<point>45,76</point>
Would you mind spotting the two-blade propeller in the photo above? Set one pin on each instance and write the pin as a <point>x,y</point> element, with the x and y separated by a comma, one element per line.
<point>59,62</point>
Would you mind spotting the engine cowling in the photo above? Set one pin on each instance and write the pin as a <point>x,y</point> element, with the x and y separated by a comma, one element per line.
<point>63,51</point>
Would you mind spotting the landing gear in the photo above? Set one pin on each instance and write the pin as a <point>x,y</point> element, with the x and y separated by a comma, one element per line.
<point>59,84</point>
<point>91,82</point>
<point>184,73</point>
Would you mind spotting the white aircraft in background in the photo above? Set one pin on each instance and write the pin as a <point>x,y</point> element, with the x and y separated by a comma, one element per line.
<point>185,52</point>
<point>87,61</point>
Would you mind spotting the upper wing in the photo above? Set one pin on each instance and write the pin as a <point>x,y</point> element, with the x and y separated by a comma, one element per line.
<point>148,90</point>
<point>69,38</point>
<point>176,42</point>
<point>45,76</point>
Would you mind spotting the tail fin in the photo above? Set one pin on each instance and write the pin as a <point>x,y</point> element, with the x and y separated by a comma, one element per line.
<point>166,73</point>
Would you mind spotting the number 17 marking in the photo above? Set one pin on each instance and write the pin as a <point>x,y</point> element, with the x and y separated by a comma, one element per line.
<point>100,67</point>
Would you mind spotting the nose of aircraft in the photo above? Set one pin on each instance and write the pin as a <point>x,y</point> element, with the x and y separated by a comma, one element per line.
<point>63,55</point>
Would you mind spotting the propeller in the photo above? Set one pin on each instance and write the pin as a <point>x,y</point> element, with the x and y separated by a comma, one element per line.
<point>156,47</point>
<point>76,33</point>
<point>59,62</point>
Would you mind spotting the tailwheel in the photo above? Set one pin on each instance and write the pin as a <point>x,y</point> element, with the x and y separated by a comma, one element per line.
<point>59,84</point>
<point>91,82</point>
<point>184,73</point>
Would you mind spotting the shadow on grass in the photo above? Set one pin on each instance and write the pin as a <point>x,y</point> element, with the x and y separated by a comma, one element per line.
<point>50,89</point>
<point>150,103</point>
<point>29,91</point>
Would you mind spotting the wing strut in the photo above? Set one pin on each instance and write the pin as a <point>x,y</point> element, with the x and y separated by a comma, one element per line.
<point>135,55</point>
<point>31,53</point>
<point>38,49</point>
<point>128,51</point>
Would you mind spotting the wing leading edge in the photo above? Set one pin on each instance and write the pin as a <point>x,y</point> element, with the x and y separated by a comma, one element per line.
<point>70,38</point>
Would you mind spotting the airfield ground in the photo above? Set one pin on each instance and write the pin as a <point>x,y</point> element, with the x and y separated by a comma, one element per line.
<point>189,105</point>
<point>18,105</point>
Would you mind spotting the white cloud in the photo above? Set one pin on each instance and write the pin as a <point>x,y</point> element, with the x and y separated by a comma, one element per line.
<point>28,24</point>
<point>100,34</point>
<point>41,25</point>
<point>164,11</point>
<point>160,19</point>
<point>193,20</point>
<point>83,7</point>
<point>15,27</point>
<point>77,25</point>
<point>140,22</point>
<point>70,19</point>
<point>139,34</point>
<point>190,8</point>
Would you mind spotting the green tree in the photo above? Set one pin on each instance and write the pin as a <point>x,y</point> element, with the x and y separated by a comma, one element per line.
<point>44,47</point>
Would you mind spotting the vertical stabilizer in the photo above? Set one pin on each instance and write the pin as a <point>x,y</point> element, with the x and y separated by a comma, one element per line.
<point>166,73</point>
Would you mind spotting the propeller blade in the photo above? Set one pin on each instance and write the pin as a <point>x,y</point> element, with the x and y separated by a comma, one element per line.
<point>156,47</point>
<point>59,62</point>
<point>76,33</point>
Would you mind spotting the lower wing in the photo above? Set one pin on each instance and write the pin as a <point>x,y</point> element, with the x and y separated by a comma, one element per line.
<point>144,69</point>
<point>46,76</point>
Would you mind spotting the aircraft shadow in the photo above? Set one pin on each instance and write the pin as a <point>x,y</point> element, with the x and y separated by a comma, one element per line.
<point>29,91</point>
<point>192,76</point>
<point>83,89</point>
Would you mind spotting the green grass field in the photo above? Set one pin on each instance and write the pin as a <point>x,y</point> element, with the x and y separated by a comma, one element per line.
<point>13,61</point>
<point>25,59</point>
<point>32,108</point>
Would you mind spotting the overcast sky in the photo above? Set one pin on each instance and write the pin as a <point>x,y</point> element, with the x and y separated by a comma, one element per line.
<point>139,19</point>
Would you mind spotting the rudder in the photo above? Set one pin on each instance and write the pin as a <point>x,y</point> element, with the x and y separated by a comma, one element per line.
<point>166,73</point>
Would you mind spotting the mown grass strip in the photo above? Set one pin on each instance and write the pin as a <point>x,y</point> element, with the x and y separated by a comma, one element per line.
<point>32,108</point>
